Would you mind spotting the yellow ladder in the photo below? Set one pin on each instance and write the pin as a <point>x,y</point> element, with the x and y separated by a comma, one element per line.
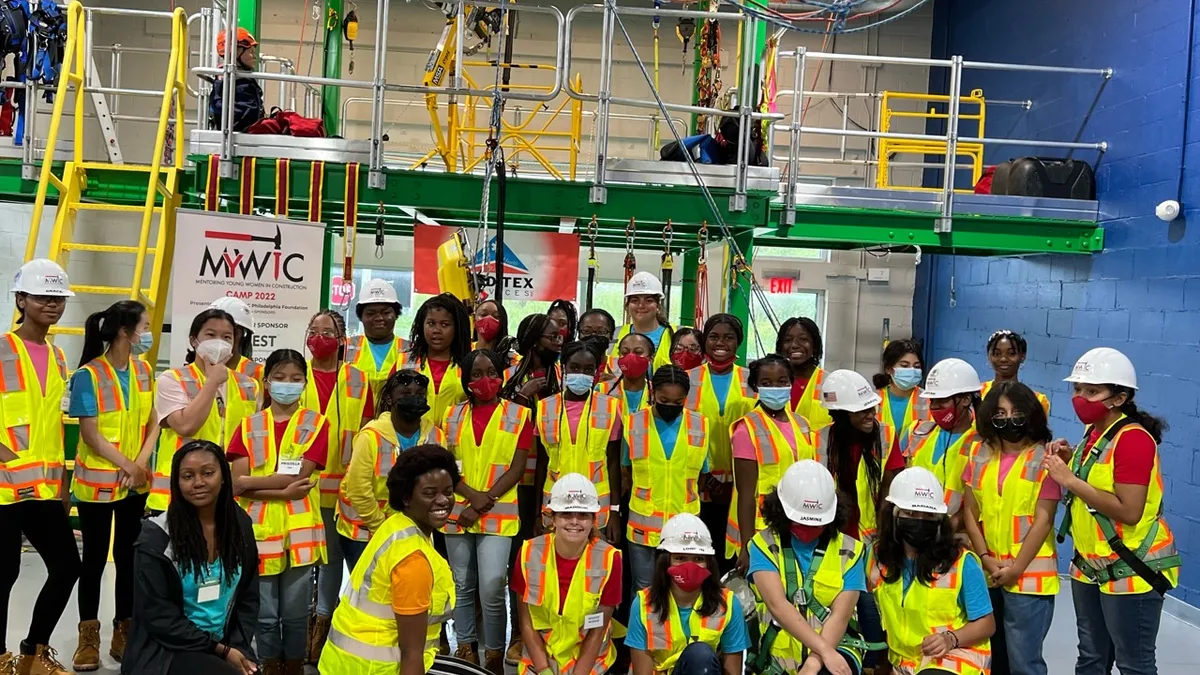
<point>162,181</point>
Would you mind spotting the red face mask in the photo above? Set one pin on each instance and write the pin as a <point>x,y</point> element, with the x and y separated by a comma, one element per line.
<point>487,328</point>
<point>321,345</point>
<point>486,388</point>
<point>1089,412</point>
<point>633,365</point>
<point>947,418</point>
<point>688,576</point>
<point>687,360</point>
<point>722,365</point>
<point>807,533</point>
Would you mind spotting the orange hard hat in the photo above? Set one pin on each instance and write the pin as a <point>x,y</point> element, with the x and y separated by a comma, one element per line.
<point>244,39</point>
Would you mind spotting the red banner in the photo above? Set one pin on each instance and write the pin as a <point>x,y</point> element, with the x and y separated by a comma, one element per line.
<point>537,265</point>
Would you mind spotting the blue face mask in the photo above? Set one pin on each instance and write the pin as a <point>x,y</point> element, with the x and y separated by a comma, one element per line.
<point>579,383</point>
<point>286,393</point>
<point>774,398</point>
<point>907,378</point>
<point>144,343</point>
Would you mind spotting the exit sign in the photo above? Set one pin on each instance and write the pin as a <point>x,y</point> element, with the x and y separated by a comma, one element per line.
<point>780,284</point>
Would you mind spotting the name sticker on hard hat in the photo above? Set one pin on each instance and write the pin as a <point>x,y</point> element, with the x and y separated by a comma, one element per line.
<point>593,621</point>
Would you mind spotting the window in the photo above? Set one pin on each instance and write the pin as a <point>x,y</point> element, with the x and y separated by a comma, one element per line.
<point>785,306</point>
<point>402,281</point>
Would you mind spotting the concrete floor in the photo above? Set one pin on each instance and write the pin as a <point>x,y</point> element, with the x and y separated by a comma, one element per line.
<point>1176,646</point>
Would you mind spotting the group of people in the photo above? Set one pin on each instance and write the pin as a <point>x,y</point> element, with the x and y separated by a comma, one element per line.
<point>615,498</point>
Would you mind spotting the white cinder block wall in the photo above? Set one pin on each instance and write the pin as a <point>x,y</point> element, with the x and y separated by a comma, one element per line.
<point>854,308</point>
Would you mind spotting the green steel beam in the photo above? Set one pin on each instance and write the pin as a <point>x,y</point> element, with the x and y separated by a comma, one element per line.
<point>740,294</point>
<point>331,98</point>
<point>249,16</point>
<point>687,300</point>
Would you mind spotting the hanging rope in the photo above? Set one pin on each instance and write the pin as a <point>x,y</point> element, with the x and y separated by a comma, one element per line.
<point>592,263</point>
<point>668,266</point>
<point>701,278</point>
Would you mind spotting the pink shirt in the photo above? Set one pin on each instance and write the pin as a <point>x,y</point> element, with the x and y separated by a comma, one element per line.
<point>170,397</point>
<point>1050,489</point>
<point>39,354</point>
<point>575,411</point>
<point>744,449</point>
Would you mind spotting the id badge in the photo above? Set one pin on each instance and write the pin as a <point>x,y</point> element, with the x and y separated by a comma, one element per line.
<point>290,467</point>
<point>210,591</point>
<point>593,621</point>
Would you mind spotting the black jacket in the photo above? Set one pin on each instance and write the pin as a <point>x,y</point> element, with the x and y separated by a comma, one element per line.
<point>160,631</point>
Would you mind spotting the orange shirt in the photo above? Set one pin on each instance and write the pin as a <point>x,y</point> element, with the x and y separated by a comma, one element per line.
<point>412,585</point>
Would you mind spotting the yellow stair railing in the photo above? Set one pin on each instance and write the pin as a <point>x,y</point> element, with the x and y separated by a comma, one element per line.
<point>890,147</point>
<point>162,180</point>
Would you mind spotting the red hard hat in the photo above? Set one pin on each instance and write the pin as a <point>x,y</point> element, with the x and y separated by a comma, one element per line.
<point>244,39</point>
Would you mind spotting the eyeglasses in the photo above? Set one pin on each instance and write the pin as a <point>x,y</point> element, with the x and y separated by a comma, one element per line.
<point>404,378</point>
<point>1001,422</point>
<point>322,333</point>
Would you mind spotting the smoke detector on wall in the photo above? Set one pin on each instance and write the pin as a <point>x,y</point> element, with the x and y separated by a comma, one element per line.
<point>1167,211</point>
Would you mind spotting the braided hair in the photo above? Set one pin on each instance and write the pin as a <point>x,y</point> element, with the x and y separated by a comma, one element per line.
<point>757,365</point>
<point>529,333</point>
<point>460,344</point>
<point>1013,337</point>
<point>339,325</point>
<point>671,374</point>
<point>568,309</point>
<point>186,534</point>
<point>576,346</point>
<point>468,362</point>
<point>387,397</point>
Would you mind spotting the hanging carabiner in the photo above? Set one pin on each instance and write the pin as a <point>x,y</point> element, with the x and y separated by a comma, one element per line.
<point>379,232</point>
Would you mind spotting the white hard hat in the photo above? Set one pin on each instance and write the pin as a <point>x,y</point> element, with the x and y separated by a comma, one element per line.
<point>685,533</point>
<point>917,489</point>
<point>950,377</point>
<point>573,493</point>
<point>378,292</point>
<point>643,283</point>
<point>238,309</point>
<point>1104,365</point>
<point>42,276</point>
<point>808,494</point>
<point>849,391</point>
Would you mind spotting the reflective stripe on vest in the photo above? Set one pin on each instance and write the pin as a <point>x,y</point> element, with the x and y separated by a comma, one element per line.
<point>484,462</point>
<point>665,637</point>
<point>587,452</point>
<point>663,487</point>
<point>774,456</point>
<point>32,423</point>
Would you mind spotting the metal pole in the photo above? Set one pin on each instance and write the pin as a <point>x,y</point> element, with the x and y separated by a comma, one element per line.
<point>458,46</point>
<point>376,179</point>
<point>227,168</point>
<point>946,223</point>
<point>1092,109</point>
<point>746,89</point>
<point>793,166</point>
<point>599,193</point>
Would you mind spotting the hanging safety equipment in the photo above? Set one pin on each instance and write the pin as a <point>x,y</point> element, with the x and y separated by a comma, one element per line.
<point>708,79</point>
<point>701,277</point>
<point>379,232</point>
<point>350,32</point>
<point>685,29</point>
<point>593,264</point>
<point>668,265</point>
<point>350,227</point>
<point>630,260</point>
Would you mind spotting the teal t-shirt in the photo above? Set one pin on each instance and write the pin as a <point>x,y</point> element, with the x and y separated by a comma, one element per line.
<point>944,441</point>
<point>668,433</point>
<point>720,385</point>
<point>854,579</point>
<point>408,442</point>
<point>212,613</point>
<point>633,399</point>
<point>656,335</point>
<point>899,406</point>
<point>83,393</point>
<point>734,638</point>
<point>380,352</point>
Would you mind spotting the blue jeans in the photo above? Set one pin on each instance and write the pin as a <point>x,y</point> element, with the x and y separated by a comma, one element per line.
<point>641,565</point>
<point>1124,627</point>
<point>282,631</point>
<point>480,565</point>
<point>697,659</point>
<point>1022,624</point>
<point>329,577</point>
<point>351,550</point>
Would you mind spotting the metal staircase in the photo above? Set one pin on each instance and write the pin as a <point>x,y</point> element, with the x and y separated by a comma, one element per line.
<point>162,183</point>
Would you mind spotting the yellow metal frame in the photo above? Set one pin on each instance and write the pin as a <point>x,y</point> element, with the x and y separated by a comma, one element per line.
<point>889,147</point>
<point>162,178</point>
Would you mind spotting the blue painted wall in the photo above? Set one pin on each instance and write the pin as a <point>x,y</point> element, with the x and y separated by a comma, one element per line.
<point>1142,294</point>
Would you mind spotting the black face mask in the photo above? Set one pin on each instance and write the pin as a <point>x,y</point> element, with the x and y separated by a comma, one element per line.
<point>668,412</point>
<point>917,533</point>
<point>1010,433</point>
<point>547,357</point>
<point>411,408</point>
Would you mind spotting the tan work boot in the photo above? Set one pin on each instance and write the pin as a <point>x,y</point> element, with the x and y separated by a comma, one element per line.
<point>120,636</point>
<point>43,662</point>
<point>272,667</point>
<point>467,653</point>
<point>513,656</point>
<point>293,667</point>
<point>87,654</point>
<point>317,636</point>
<point>494,661</point>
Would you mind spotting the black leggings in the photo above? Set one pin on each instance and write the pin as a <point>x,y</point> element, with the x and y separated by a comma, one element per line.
<point>96,525</point>
<point>199,663</point>
<point>44,523</point>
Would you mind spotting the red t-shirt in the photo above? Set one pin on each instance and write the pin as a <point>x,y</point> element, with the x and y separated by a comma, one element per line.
<point>481,414</point>
<point>438,370</point>
<point>326,382</point>
<point>895,462</point>
<point>1133,457</point>
<point>318,452</point>
<point>610,595</point>
<point>798,388</point>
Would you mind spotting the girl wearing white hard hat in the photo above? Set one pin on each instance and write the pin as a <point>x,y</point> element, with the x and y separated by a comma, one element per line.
<point>643,305</point>
<point>899,385</point>
<point>809,576</point>
<point>33,382</point>
<point>799,341</point>
<point>931,591</point>
<point>1006,352</point>
<point>568,584</point>
<point>1115,487</point>
<point>1011,501</point>
<point>946,443</point>
<point>242,358</point>
<point>686,622</point>
<point>202,400</point>
<point>765,442</point>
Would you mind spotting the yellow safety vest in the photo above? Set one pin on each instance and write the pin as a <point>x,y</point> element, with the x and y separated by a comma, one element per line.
<point>1091,546</point>
<point>241,401</point>
<point>917,411</point>
<point>1006,517</point>
<point>587,454</point>
<point>662,353</point>
<point>774,455</point>
<point>918,451</point>
<point>440,398</point>
<point>739,400</point>
<point>95,479</point>
<point>616,389</point>
<point>809,406</point>
<point>250,368</point>
<point>987,386</point>
<point>663,487</point>
<point>32,423</point>
<point>828,580</point>
<point>363,639</point>
<point>344,413</point>
<point>289,533</point>
<point>358,354</point>
<point>868,500</point>
<point>483,464</point>
<point>665,637</point>
<point>385,448</point>
<point>910,617</point>
<point>563,634</point>
<point>530,475</point>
